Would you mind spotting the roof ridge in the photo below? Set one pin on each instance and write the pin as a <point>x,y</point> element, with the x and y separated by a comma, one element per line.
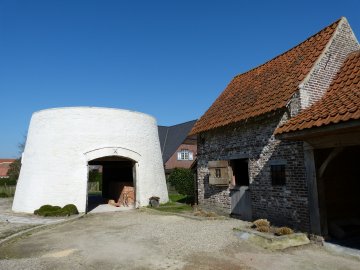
<point>194,120</point>
<point>183,123</point>
<point>292,48</point>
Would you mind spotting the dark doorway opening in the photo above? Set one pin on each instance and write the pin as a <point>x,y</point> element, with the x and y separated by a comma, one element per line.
<point>239,193</point>
<point>117,181</point>
<point>240,171</point>
<point>338,174</point>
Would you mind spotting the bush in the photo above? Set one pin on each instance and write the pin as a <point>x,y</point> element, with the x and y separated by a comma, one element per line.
<point>261,223</point>
<point>283,231</point>
<point>263,229</point>
<point>56,211</point>
<point>7,182</point>
<point>70,209</point>
<point>183,181</point>
<point>14,170</point>
<point>3,195</point>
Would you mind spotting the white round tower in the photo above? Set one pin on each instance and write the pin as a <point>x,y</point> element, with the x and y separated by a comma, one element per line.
<point>62,142</point>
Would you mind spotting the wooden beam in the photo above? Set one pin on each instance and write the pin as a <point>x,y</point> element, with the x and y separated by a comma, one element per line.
<point>314,211</point>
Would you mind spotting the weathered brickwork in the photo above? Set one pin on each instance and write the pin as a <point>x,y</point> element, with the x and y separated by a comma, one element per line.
<point>173,161</point>
<point>343,43</point>
<point>253,139</point>
<point>285,205</point>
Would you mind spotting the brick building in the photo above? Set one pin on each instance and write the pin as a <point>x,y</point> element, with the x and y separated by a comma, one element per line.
<point>330,129</point>
<point>4,167</point>
<point>178,148</point>
<point>243,168</point>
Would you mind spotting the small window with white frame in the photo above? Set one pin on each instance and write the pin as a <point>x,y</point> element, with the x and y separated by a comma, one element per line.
<point>185,154</point>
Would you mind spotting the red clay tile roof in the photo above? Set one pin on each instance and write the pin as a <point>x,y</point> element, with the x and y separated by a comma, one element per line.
<point>265,88</point>
<point>340,103</point>
<point>2,160</point>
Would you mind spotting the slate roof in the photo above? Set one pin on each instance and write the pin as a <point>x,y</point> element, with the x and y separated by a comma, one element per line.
<point>340,103</point>
<point>172,137</point>
<point>265,88</point>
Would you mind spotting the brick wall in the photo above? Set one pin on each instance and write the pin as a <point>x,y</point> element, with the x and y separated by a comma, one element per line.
<point>284,205</point>
<point>173,162</point>
<point>319,79</point>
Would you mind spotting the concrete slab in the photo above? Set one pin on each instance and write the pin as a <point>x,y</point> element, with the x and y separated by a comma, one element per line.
<point>337,249</point>
<point>104,208</point>
<point>270,241</point>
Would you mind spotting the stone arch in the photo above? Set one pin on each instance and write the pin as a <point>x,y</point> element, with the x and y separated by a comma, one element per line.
<point>112,151</point>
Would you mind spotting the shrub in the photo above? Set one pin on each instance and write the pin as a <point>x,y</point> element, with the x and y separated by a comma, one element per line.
<point>70,209</point>
<point>261,223</point>
<point>7,182</point>
<point>283,231</point>
<point>14,170</point>
<point>3,195</point>
<point>183,181</point>
<point>56,211</point>
<point>263,228</point>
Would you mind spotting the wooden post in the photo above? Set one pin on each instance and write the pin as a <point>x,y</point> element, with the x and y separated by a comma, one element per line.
<point>314,212</point>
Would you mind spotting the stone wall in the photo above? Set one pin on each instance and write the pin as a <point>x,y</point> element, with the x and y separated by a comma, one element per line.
<point>283,205</point>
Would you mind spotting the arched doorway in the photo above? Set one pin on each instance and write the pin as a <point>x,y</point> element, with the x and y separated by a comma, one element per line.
<point>115,182</point>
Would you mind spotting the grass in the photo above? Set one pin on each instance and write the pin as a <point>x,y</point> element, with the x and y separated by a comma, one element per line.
<point>176,204</point>
<point>177,208</point>
<point>181,198</point>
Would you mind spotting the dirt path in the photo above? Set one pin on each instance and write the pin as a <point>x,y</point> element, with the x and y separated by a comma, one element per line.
<point>139,240</point>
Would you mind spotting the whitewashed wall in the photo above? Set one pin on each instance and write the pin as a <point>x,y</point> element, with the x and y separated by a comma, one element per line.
<point>60,143</point>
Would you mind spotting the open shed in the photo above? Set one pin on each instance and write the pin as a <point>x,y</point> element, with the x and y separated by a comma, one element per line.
<point>63,142</point>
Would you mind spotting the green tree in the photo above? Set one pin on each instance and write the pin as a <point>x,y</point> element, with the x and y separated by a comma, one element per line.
<point>183,181</point>
<point>14,170</point>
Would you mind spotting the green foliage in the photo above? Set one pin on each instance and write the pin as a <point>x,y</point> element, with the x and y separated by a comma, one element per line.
<point>3,195</point>
<point>176,197</point>
<point>56,211</point>
<point>7,182</point>
<point>182,198</point>
<point>96,177</point>
<point>169,207</point>
<point>70,209</point>
<point>14,170</point>
<point>183,181</point>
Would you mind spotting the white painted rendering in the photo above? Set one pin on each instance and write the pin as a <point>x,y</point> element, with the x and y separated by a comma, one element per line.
<point>61,141</point>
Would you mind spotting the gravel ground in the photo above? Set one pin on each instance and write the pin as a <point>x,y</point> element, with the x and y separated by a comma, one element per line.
<point>11,223</point>
<point>142,240</point>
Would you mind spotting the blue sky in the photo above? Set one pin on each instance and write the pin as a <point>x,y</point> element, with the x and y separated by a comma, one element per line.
<point>170,59</point>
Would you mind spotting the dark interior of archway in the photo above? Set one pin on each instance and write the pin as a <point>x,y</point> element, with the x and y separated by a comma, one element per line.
<point>340,195</point>
<point>117,172</point>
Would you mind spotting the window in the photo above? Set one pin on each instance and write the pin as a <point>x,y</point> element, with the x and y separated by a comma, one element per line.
<point>218,173</point>
<point>278,175</point>
<point>185,154</point>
